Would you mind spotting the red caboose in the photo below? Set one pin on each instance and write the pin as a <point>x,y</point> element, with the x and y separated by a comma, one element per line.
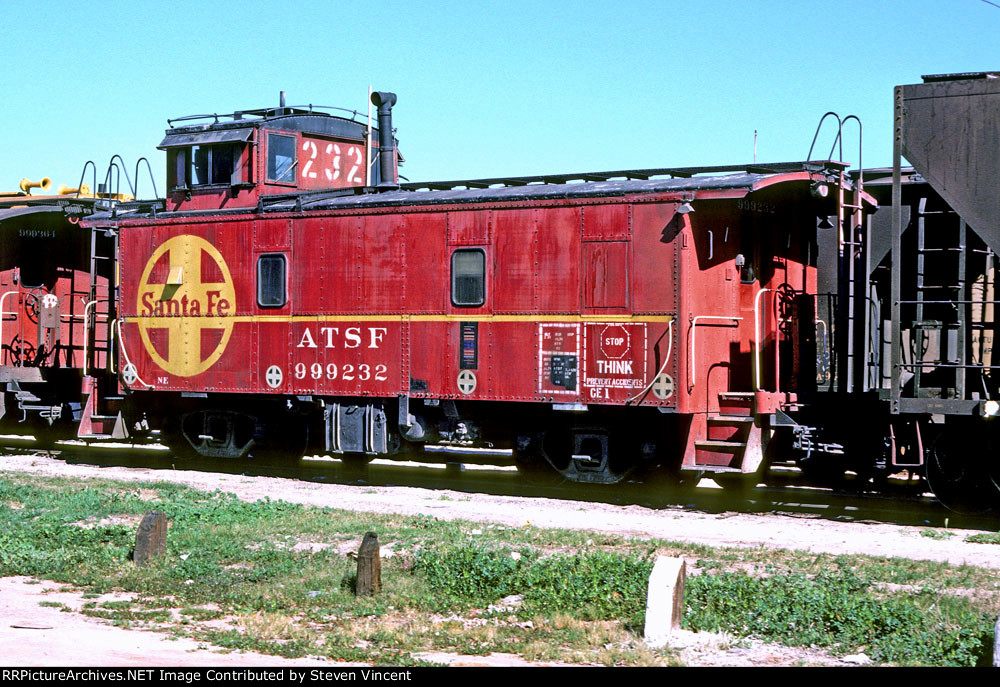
<point>594,323</point>
<point>55,308</point>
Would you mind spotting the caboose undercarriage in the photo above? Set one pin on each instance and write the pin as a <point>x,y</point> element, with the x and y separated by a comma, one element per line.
<point>596,445</point>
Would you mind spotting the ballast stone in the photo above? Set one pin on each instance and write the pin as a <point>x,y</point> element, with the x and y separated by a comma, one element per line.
<point>664,600</point>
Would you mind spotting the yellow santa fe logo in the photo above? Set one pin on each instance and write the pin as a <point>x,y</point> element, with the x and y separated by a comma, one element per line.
<point>185,322</point>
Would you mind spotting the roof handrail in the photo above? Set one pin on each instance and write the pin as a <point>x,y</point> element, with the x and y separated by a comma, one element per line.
<point>151,178</point>
<point>264,113</point>
<point>836,140</point>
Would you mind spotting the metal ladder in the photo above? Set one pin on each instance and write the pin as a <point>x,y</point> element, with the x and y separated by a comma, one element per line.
<point>853,332</point>
<point>736,446</point>
<point>946,314</point>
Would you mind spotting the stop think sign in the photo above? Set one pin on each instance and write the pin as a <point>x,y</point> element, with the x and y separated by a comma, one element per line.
<point>615,342</point>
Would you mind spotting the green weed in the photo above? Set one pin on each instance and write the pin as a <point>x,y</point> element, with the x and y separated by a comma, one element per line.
<point>936,534</point>
<point>838,610</point>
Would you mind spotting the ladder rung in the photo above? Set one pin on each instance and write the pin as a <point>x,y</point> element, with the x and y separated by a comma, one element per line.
<point>731,418</point>
<point>717,468</point>
<point>713,445</point>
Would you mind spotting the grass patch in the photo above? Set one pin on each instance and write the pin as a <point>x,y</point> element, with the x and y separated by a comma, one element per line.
<point>594,586</point>
<point>840,610</point>
<point>984,538</point>
<point>241,576</point>
<point>937,534</point>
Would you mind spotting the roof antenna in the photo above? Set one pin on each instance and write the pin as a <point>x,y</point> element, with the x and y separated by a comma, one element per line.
<point>755,146</point>
<point>281,101</point>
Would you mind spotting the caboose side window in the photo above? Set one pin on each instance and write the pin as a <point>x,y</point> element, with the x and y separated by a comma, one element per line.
<point>222,164</point>
<point>271,281</point>
<point>199,165</point>
<point>213,164</point>
<point>281,158</point>
<point>468,277</point>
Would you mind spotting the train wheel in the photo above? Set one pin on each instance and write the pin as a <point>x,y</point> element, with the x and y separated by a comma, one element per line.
<point>529,459</point>
<point>179,447</point>
<point>210,433</point>
<point>46,437</point>
<point>47,434</point>
<point>957,473</point>
<point>286,447</point>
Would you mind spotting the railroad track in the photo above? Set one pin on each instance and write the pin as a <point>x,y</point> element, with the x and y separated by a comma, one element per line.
<point>783,491</point>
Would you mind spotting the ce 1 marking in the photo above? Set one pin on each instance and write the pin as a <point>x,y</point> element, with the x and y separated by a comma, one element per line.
<point>346,372</point>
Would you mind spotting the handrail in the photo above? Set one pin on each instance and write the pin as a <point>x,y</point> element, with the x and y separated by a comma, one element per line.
<point>756,337</point>
<point>691,352</point>
<point>836,140</point>
<point>151,178</point>
<point>817,321</point>
<point>111,348</point>
<point>4,314</point>
<point>83,174</point>
<point>670,341</point>
<point>860,187</point>
<point>86,336</point>
<point>121,342</point>
<point>262,112</point>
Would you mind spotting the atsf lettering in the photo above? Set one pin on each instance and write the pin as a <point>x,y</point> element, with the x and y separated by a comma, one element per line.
<point>352,337</point>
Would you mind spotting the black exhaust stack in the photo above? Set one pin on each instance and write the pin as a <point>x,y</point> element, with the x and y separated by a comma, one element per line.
<point>386,146</point>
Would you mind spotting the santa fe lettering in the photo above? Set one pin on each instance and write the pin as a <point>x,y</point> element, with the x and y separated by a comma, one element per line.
<point>216,306</point>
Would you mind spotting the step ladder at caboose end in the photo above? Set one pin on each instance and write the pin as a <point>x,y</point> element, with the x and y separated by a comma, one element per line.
<point>733,439</point>
<point>105,425</point>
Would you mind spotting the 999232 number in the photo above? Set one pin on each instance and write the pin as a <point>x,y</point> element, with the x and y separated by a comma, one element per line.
<point>346,372</point>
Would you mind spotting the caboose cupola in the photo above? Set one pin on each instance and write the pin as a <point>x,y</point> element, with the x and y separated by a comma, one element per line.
<point>230,161</point>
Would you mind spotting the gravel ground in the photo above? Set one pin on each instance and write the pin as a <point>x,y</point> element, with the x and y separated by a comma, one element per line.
<point>18,600</point>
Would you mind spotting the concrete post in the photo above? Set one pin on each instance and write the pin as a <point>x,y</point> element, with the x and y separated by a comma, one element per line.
<point>151,538</point>
<point>664,600</point>
<point>369,579</point>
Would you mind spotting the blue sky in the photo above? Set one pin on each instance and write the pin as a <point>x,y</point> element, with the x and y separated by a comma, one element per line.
<point>485,88</point>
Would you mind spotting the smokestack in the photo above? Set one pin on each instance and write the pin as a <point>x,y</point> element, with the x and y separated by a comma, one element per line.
<point>386,146</point>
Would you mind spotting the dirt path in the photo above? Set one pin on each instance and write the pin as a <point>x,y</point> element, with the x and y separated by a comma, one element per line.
<point>34,635</point>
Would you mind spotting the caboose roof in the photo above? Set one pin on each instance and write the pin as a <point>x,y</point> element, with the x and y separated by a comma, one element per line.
<point>239,126</point>
<point>590,185</point>
<point>688,183</point>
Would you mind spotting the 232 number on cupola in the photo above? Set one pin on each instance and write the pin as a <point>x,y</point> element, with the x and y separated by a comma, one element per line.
<point>327,163</point>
